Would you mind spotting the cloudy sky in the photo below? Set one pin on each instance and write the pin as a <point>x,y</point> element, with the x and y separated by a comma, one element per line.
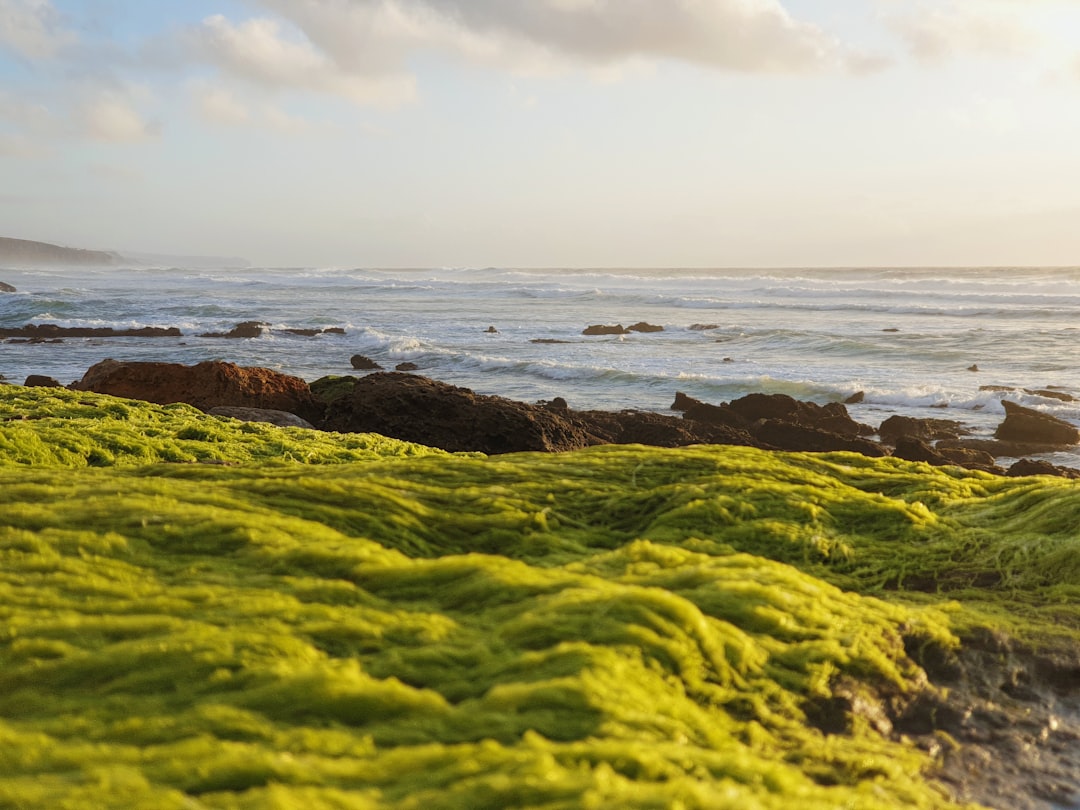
<point>614,133</point>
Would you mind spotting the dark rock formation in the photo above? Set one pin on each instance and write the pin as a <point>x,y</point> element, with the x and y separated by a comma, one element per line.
<point>49,331</point>
<point>418,409</point>
<point>547,340</point>
<point>641,326</point>
<point>1027,466</point>
<point>363,363</point>
<point>801,438</point>
<point>247,329</point>
<point>912,448</point>
<point>1049,393</point>
<point>205,385</point>
<point>4,287</point>
<point>491,330</point>
<point>703,327</point>
<point>601,329</point>
<point>782,422</point>
<point>333,330</point>
<point>26,252</point>
<point>855,398</point>
<point>41,381</point>
<point>1027,426</point>
<point>406,367</point>
<point>268,415</point>
<point>659,430</point>
<point>928,430</point>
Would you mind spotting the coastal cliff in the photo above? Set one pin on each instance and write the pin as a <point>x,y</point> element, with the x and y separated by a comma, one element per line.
<point>26,252</point>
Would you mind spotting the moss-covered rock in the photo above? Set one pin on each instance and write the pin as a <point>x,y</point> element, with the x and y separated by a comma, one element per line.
<point>384,627</point>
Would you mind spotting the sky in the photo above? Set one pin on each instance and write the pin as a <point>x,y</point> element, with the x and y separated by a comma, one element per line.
<point>546,133</point>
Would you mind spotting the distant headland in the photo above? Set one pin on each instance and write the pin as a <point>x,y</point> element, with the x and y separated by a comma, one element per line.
<point>26,252</point>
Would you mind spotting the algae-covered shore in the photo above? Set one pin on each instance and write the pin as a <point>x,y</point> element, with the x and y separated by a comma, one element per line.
<point>198,612</point>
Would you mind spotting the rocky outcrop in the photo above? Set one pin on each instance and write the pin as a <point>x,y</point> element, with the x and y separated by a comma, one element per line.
<point>911,448</point>
<point>205,385</point>
<point>4,287</point>
<point>603,329</point>
<point>406,367</point>
<point>41,381</point>
<point>418,409</point>
<point>928,430</point>
<point>657,430</point>
<point>1026,426</point>
<point>267,415</point>
<point>362,363</point>
<point>641,326</point>
<point>49,331</point>
<point>247,329</point>
<point>332,330</point>
<point>1027,466</point>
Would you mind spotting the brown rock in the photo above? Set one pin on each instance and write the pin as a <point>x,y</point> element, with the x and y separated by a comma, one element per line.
<point>896,427</point>
<point>333,330</point>
<point>4,287</point>
<point>205,385</point>
<point>855,398</point>
<point>406,367</point>
<point>683,402</point>
<point>795,437</point>
<point>1027,466</point>
<point>641,326</point>
<point>491,330</point>
<point>547,340</point>
<point>831,417</point>
<point>601,329</point>
<point>268,415</point>
<point>363,363</point>
<point>247,329</point>
<point>41,381</point>
<point>703,327</point>
<point>912,448</point>
<point>1028,426</point>
<point>39,333</point>
<point>418,409</point>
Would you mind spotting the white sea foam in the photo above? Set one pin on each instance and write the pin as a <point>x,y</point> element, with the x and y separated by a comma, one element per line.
<point>905,338</point>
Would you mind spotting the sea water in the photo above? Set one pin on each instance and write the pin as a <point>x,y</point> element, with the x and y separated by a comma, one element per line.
<point>934,342</point>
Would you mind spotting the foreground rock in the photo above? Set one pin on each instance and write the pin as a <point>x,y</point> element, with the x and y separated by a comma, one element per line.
<point>605,329</point>
<point>418,409</point>
<point>4,287</point>
<point>205,385</point>
<point>49,331</point>
<point>267,415</point>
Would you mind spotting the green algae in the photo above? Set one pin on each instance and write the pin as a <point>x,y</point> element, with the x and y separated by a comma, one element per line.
<point>55,426</point>
<point>614,627</point>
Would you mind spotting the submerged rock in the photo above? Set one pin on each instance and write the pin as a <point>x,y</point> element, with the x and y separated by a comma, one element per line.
<point>49,331</point>
<point>602,329</point>
<point>247,329</point>
<point>362,363</point>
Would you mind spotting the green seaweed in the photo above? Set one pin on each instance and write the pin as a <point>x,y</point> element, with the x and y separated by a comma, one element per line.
<point>355,622</point>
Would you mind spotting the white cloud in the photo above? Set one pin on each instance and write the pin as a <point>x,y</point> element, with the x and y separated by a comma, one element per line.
<point>32,29</point>
<point>218,106</point>
<point>935,31</point>
<point>534,35</point>
<point>261,52</point>
<point>109,116</point>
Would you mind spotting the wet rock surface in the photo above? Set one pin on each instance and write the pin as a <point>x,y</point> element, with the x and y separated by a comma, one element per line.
<point>6,288</point>
<point>1012,720</point>
<point>48,331</point>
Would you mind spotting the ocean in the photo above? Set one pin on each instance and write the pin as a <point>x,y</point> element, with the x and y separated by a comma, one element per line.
<point>928,342</point>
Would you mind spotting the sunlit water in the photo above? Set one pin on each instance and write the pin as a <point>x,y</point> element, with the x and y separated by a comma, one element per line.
<point>906,338</point>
